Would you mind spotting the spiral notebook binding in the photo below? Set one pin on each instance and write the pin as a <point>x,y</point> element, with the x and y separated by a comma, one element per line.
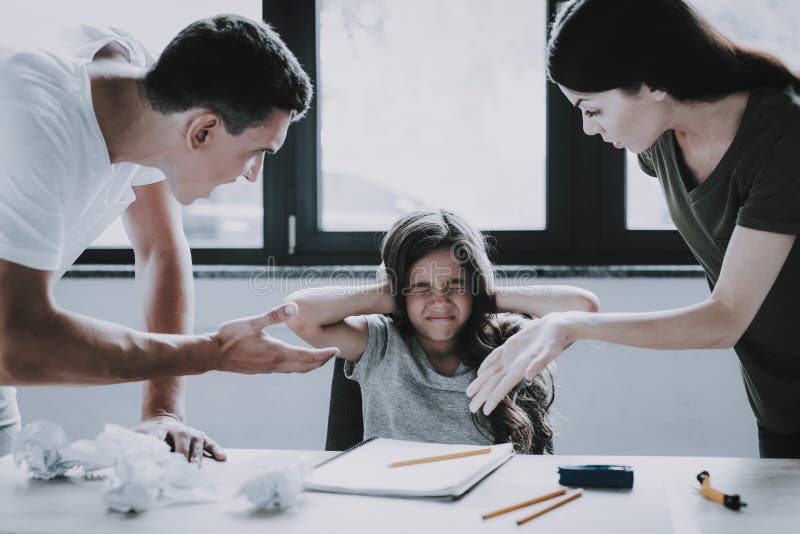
<point>346,451</point>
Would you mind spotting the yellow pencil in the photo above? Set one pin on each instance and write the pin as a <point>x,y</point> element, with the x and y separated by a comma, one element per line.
<point>524,504</point>
<point>440,458</point>
<point>562,502</point>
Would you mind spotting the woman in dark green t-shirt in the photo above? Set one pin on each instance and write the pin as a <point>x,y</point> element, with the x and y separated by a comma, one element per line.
<point>719,126</point>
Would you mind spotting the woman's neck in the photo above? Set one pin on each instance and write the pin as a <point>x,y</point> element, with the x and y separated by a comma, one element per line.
<point>704,131</point>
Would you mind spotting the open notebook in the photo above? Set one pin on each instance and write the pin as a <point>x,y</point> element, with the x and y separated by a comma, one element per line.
<point>364,469</point>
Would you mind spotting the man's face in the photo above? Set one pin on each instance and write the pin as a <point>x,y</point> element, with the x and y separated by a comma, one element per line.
<point>213,157</point>
<point>627,121</point>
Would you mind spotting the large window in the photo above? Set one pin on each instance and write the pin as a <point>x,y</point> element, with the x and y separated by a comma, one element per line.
<point>420,104</point>
<point>444,104</point>
<point>425,105</point>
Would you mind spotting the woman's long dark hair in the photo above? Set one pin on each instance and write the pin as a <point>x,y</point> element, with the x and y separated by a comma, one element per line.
<point>599,45</point>
<point>521,418</point>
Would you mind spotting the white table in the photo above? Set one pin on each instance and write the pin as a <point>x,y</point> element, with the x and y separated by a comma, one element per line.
<point>663,499</point>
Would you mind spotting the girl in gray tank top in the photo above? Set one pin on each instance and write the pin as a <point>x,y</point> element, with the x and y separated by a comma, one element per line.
<point>414,340</point>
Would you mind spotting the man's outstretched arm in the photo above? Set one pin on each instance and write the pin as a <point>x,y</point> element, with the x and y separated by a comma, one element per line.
<point>41,343</point>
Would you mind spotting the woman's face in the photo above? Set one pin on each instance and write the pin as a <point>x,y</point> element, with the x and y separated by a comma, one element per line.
<point>632,121</point>
<point>438,301</point>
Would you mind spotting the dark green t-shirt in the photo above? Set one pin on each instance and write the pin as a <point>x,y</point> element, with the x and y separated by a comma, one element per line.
<point>756,185</point>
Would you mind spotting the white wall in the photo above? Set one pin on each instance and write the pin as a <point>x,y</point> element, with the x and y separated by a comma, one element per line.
<point>609,399</point>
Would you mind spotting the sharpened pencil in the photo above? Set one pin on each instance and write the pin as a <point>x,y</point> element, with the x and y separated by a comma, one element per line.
<point>524,504</point>
<point>440,458</point>
<point>562,502</point>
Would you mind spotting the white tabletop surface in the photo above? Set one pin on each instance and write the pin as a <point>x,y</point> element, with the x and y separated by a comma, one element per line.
<point>663,499</point>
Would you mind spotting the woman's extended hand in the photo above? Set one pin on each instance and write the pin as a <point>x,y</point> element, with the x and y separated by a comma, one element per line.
<point>522,356</point>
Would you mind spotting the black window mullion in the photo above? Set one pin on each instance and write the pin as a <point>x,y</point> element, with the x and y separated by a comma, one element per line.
<point>287,174</point>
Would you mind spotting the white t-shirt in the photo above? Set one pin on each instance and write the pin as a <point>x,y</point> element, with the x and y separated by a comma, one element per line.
<point>58,189</point>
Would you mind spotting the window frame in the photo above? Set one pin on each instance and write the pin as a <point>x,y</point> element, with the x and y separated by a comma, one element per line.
<point>585,188</point>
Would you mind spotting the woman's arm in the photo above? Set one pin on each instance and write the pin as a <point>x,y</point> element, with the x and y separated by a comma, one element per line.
<point>541,300</point>
<point>329,316</point>
<point>752,263</point>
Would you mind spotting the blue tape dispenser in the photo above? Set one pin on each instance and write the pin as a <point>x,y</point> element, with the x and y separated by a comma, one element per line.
<point>596,476</point>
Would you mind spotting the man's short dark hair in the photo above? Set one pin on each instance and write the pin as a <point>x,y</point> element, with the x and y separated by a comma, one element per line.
<point>236,67</point>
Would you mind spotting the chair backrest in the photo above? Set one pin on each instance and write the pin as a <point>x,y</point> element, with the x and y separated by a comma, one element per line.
<point>345,420</point>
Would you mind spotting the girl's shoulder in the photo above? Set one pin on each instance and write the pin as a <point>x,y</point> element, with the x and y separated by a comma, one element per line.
<point>384,342</point>
<point>380,321</point>
<point>384,333</point>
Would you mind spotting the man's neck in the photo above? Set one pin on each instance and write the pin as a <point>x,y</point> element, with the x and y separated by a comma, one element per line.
<point>131,128</point>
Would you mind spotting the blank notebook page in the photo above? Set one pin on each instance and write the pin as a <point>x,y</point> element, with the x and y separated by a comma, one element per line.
<point>365,469</point>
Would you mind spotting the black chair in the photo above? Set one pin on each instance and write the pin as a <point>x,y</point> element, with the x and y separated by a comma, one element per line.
<point>345,422</point>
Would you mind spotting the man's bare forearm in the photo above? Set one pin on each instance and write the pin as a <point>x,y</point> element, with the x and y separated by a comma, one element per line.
<point>62,347</point>
<point>167,290</point>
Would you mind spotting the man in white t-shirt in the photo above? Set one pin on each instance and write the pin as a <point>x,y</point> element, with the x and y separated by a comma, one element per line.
<point>106,131</point>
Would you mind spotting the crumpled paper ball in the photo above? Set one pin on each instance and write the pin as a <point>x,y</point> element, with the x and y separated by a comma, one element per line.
<point>144,472</point>
<point>279,487</point>
<point>44,447</point>
<point>138,478</point>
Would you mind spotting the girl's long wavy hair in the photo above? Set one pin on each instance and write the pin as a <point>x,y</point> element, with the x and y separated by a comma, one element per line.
<point>522,417</point>
<point>599,45</point>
